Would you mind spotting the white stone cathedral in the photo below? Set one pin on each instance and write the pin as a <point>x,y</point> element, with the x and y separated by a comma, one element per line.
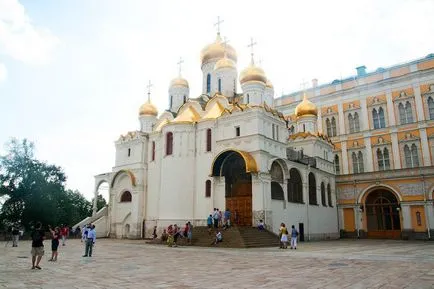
<point>222,149</point>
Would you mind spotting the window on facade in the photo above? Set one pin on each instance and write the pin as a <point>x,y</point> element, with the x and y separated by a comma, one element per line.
<point>277,132</point>
<point>375,119</point>
<point>208,189</point>
<point>185,98</point>
<point>237,131</point>
<point>312,190</point>
<point>357,160</point>
<point>129,152</point>
<point>208,83</point>
<point>295,187</point>
<point>337,166</point>
<point>360,157</point>
<point>208,140</point>
<point>291,129</point>
<point>411,156</point>
<point>126,197</point>
<point>153,151</point>
<point>272,134</point>
<point>351,122</point>
<point>329,127</point>
<point>431,108</point>
<point>304,127</point>
<point>383,159</point>
<point>220,85</point>
<point>248,98</point>
<point>405,113</point>
<point>277,191</point>
<point>381,118</point>
<point>323,195</point>
<point>418,219</point>
<point>329,195</point>
<point>169,143</point>
<point>170,101</point>
<point>334,133</point>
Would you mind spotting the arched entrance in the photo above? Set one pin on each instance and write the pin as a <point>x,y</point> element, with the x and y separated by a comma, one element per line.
<point>383,218</point>
<point>237,168</point>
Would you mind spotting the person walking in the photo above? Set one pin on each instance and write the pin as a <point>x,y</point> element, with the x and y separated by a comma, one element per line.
<point>64,233</point>
<point>15,236</point>
<point>55,236</point>
<point>38,236</point>
<point>294,235</point>
<point>90,241</point>
<point>284,236</point>
<point>189,233</point>
<point>215,217</point>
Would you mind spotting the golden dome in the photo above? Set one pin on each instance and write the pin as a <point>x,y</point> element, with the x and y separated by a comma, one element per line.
<point>148,109</point>
<point>217,50</point>
<point>179,81</point>
<point>306,107</point>
<point>224,63</point>
<point>269,84</point>
<point>253,73</point>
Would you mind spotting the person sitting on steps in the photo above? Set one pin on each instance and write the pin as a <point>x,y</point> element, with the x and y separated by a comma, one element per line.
<point>218,238</point>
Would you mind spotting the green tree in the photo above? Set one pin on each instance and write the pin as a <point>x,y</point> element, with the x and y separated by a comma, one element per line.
<point>100,202</point>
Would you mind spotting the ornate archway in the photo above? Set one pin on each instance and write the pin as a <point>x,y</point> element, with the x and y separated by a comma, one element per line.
<point>382,211</point>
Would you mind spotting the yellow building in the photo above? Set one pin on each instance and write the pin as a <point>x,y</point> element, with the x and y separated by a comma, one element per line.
<point>382,126</point>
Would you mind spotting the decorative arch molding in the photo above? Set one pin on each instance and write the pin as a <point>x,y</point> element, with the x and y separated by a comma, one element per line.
<point>282,163</point>
<point>362,196</point>
<point>219,160</point>
<point>123,171</point>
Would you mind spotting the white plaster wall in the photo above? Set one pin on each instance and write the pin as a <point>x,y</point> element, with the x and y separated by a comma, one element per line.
<point>147,123</point>
<point>229,78</point>
<point>256,92</point>
<point>178,93</point>
<point>136,147</point>
<point>209,68</point>
<point>269,96</point>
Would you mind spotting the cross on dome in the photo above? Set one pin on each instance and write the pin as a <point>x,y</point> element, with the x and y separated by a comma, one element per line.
<point>149,90</point>
<point>218,24</point>
<point>180,62</point>
<point>252,43</point>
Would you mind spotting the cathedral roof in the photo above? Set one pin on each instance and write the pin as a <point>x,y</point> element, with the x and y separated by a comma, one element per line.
<point>253,73</point>
<point>179,81</point>
<point>148,109</point>
<point>216,50</point>
<point>309,134</point>
<point>306,108</point>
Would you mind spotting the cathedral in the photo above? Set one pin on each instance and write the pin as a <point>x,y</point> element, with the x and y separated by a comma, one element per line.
<point>222,149</point>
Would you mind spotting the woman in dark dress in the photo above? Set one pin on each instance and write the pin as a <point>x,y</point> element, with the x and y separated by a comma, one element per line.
<point>54,243</point>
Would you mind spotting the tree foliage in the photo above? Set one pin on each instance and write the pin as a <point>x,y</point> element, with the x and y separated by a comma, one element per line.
<point>100,202</point>
<point>33,190</point>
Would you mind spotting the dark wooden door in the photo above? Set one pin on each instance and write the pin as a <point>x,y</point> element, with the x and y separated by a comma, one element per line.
<point>241,209</point>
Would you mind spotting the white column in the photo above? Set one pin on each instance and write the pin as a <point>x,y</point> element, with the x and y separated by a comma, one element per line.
<point>425,148</point>
<point>341,119</point>
<point>369,161</point>
<point>395,150</point>
<point>390,110</point>
<point>261,186</point>
<point>319,122</point>
<point>364,111</point>
<point>95,199</point>
<point>406,216</point>
<point>218,193</point>
<point>419,105</point>
<point>344,157</point>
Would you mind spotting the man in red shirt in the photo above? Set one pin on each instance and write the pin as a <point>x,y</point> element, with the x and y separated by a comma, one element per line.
<point>64,234</point>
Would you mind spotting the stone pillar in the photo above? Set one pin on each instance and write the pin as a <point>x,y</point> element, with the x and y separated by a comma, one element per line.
<point>344,157</point>
<point>390,110</point>
<point>419,104</point>
<point>364,114</point>
<point>261,184</point>
<point>319,122</point>
<point>405,217</point>
<point>369,158</point>
<point>341,119</point>
<point>395,151</point>
<point>425,147</point>
<point>95,200</point>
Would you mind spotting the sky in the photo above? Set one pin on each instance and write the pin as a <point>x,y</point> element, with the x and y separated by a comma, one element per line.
<point>73,73</point>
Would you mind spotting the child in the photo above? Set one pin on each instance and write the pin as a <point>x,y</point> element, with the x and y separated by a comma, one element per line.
<point>54,243</point>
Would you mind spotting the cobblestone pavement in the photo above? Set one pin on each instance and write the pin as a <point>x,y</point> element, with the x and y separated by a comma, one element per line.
<point>133,264</point>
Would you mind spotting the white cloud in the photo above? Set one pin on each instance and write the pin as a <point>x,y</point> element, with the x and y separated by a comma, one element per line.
<point>3,73</point>
<point>20,38</point>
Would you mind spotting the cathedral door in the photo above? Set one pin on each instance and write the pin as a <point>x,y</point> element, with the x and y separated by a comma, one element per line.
<point>383,215</point>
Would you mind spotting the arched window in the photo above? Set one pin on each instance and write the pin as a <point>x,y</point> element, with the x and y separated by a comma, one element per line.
<point>407,155</point>
<point>153,151</point>
<point>329,195</point>
<point>295,187</point>
<point>408,112</point>
<point>334,133</point>
<point>380,160</point>
<point>129,152</point>
<point>126,197</point>
<point>185,98</point>
<point>361,166</point>
<point>381,117</point>
<point>304,127</point>
<point>208,189</point>
<point>351,122</point>
<point>356,122</point>
<point>208,140</point>
<point>375,119</point>
<point>276,191</point>
<point>386,159</point>
<point>431,108</point>
<point>208,83</point>
<point>169,143</point>
<point>401,110</point>
<point>337,165</point>
<point>411,156</point>
<point>323,195</point>
<point>383,159</point>
<point>329,127</point>
<point>312,190</point>
<point>220,85</point>
<point>170,102</point>
<point>414,156</point>
<point>248,98</point>
<point>357,160</point>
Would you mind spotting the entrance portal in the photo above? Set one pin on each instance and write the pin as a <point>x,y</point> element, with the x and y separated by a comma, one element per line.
<point>382,215</point>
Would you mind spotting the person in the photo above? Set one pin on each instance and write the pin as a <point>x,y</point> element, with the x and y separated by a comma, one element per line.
<point>209,223</point>
<point>85,231</point>
<point>77,232</point>
<point>170,232</point>
<point>294,235</point>
<point>176,234</point>
<point>189,233</point>
<point>261,225</point>
<point>55,235</point>
<point>37,252</point>
<point>154,233</point>
<point>215,217</point>
<point>15,236</point>
<point>284,236</point>
<point>218,238</point>
<point>64,234</point>
<point>90,241</point>
<point>227,218</point>
<point>164,236</point>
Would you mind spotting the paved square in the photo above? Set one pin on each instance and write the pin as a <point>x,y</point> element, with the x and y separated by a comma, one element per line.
<point>133,264</point>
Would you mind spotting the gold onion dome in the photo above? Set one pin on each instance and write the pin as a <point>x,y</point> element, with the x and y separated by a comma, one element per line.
<point>216,50</point>
<point>269,84</point>
<point>306,108</point>
<point>225,62</point>
<point>253,73</point>
<point>179,81</point>
<point>148,109</point>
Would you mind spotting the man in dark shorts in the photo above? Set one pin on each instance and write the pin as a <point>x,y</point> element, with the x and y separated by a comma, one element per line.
<point>38,236</point>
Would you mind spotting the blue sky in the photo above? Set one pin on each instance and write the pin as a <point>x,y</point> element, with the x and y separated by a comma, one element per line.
<point>73,72</point>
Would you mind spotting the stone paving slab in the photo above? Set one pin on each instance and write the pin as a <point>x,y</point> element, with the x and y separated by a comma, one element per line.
<point>134,264</point>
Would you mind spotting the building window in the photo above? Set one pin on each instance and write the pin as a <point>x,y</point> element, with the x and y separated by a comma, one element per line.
<point>334,133</point>
<point>337,166</point>
<point>323,195</point>
<point>291,129</point>
<point>383,159</point>
<point>312,190</point>
<point>170,102</point>
<point>185,98</point>
<point>411,156</point>
<point>354,122</point>
<point>378,118</point>
<point>418,219</point>
<point>126,197</point>
<point>153,151</point>
<point>169,143</point>
<point>405,113</point>
<point>129,152</point>
<point>208,140</point>
<point>237,131</point>
<point>329,195</point>
<point>357,162</point>
<point>431,108</point>
<point>208,83</point>
<point>220,85</point>
<point>208,189</point>
<point>329,127</point>
<point>295,187</point>
<point>248,98</point>
<point>272,131</point>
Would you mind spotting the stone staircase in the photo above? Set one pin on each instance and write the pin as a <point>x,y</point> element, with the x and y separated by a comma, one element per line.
<point>235,237</point>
